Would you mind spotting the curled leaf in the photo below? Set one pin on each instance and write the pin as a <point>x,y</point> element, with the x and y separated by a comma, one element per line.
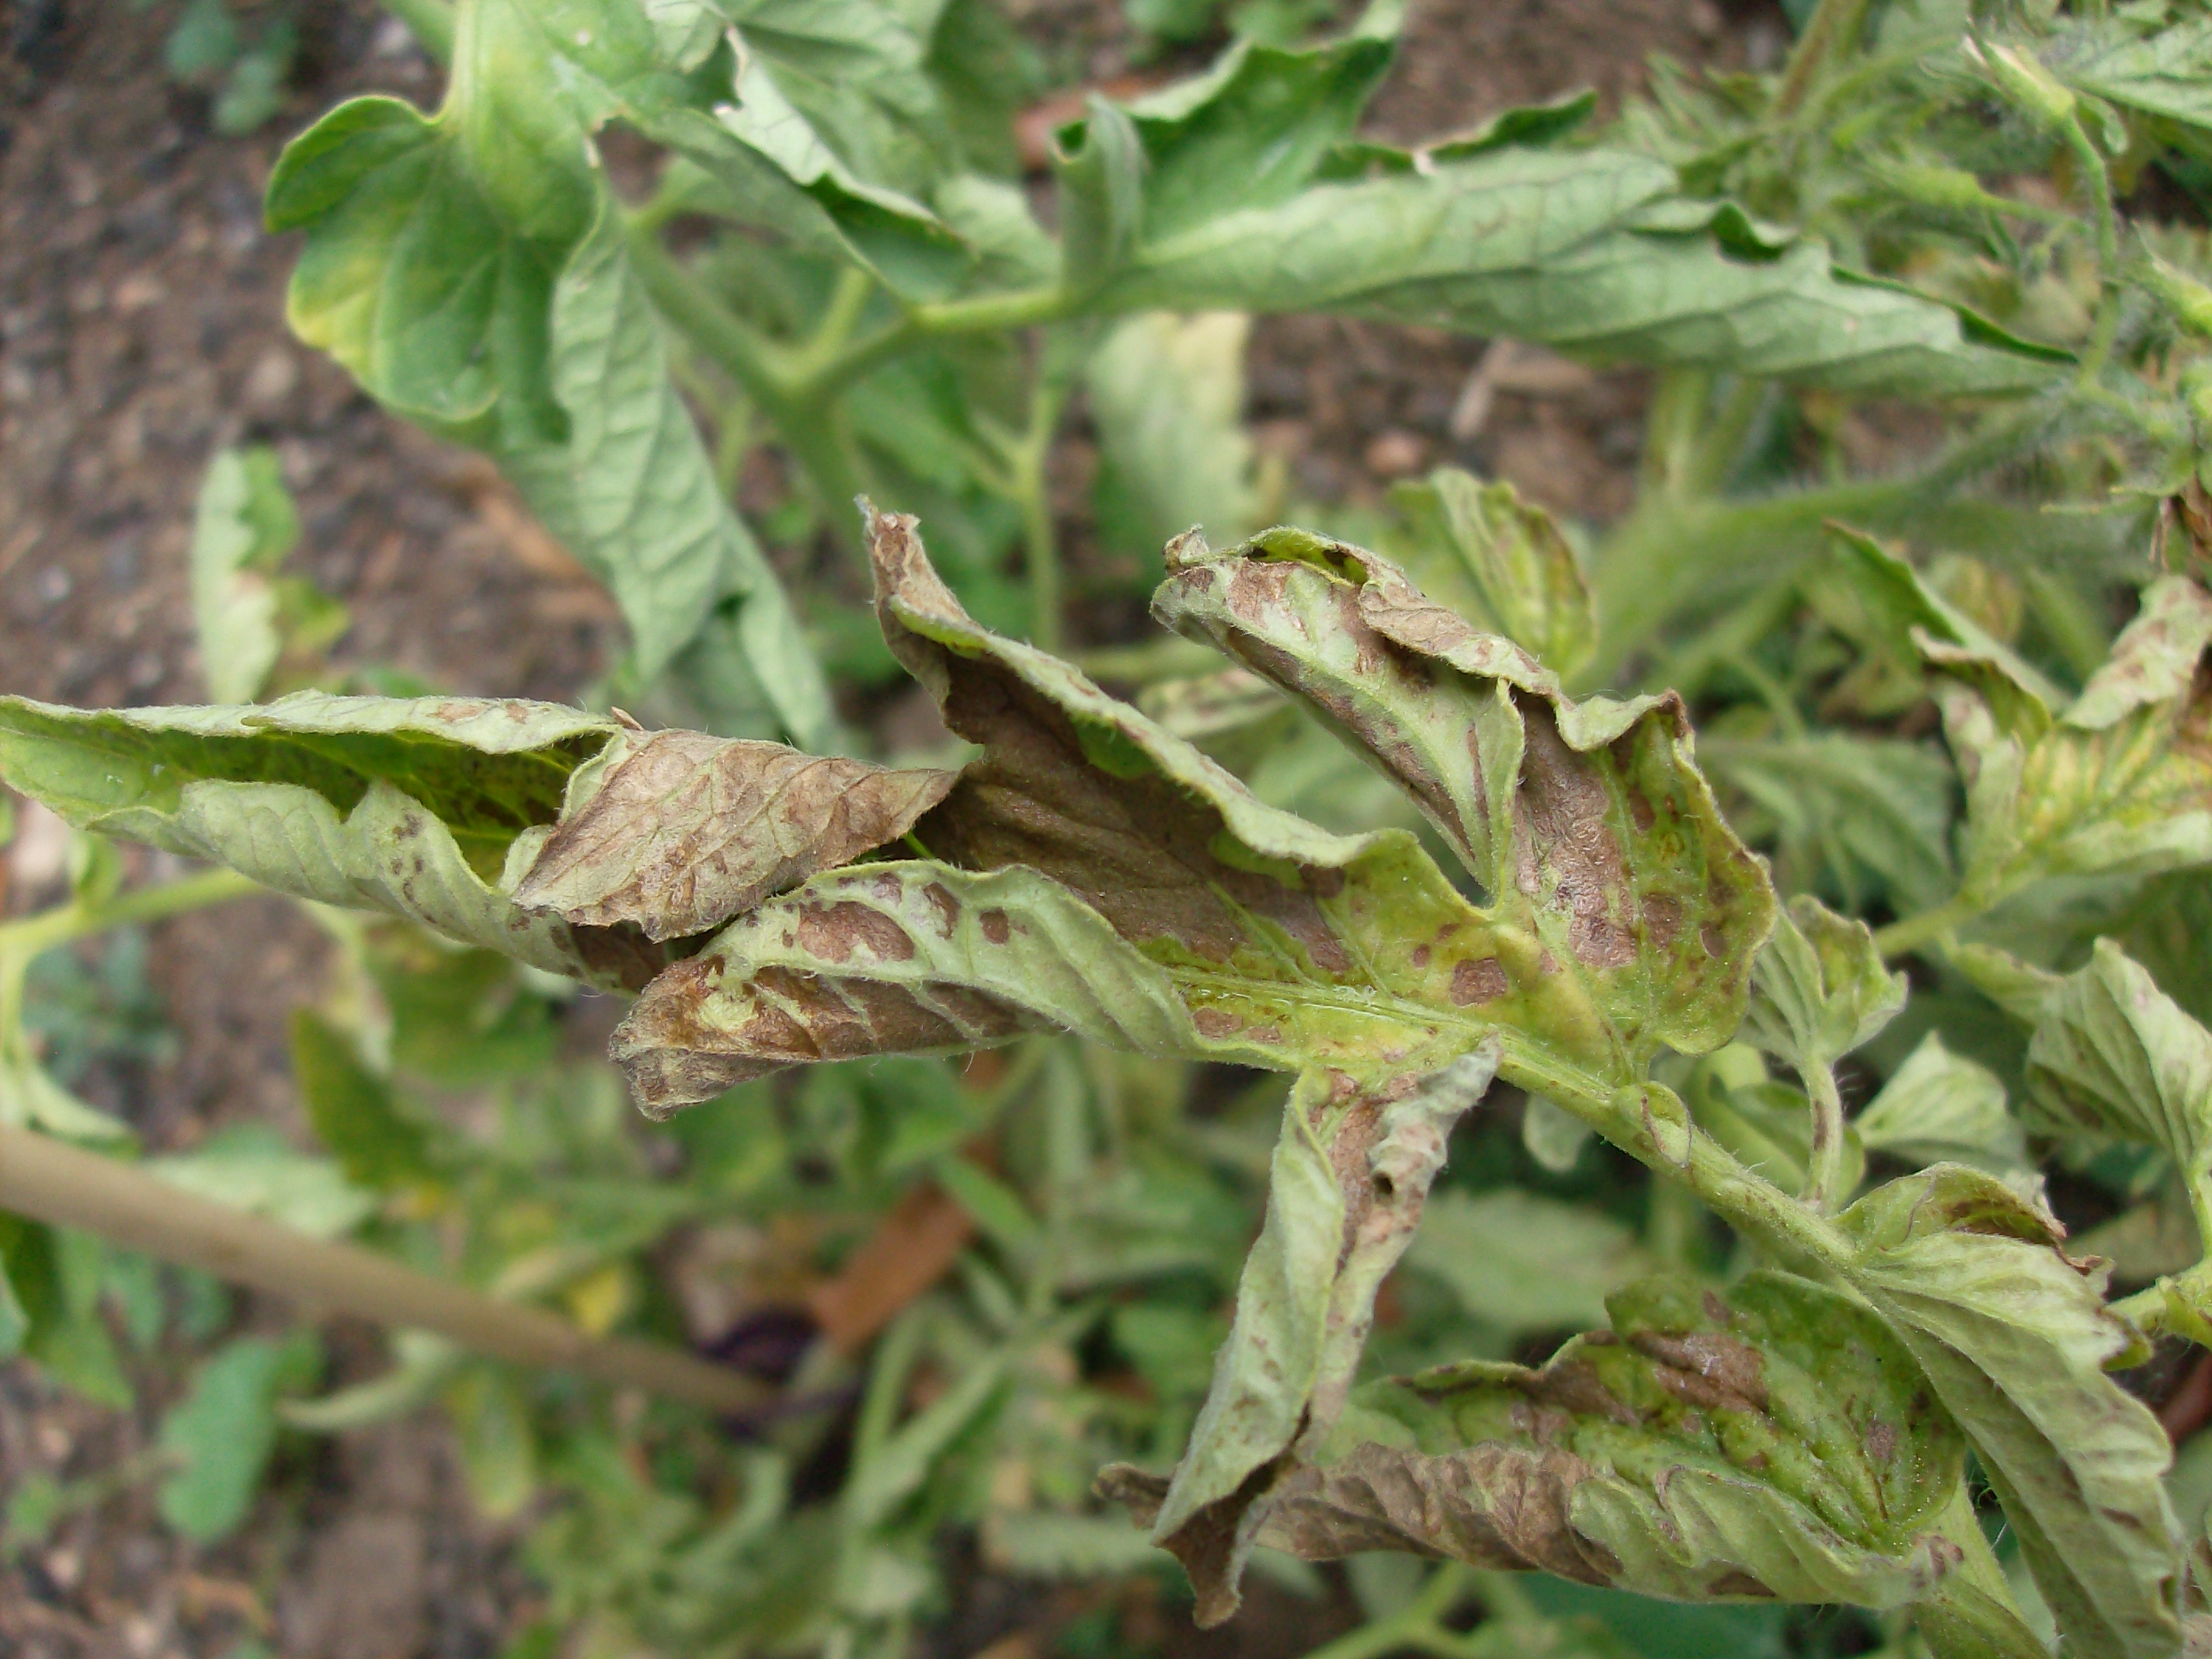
<point>1500,562</point>
<point>1351,1174</point>
<point>1777,1443</point>
<point>683,830</point>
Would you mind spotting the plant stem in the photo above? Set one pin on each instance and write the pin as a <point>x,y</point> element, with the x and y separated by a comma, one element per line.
<point>1039,541</point>
<point>1904,936</point>
<point>431,23</point>
<point>1832,30</point>
<point>53,1182</point>
<point>1824,1166</point>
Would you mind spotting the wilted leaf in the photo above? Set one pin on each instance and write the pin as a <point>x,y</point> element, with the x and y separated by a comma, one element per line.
<point>242,528</point>
<point>1350,1177</point>
<point>1941,1108</point>
<point>1586,823</point>
<point>2013,1339</point>
<point>1500,562</point>
<point>1132,892</point>
<point>681,831</point>
<point>415,807</point>
<point>223,1431</point>
<point>1167,397</point>
<point>1775,1444</point>
<point>1521,1262</point>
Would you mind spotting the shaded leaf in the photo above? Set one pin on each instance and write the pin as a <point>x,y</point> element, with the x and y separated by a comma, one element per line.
<point>248,1166</point>
<point>242,528</point>
<point>1941,1108</point>
<point>1167,398</point>
<point>1500,562</point>
<point>1521,1262</point>
<point>680,831</point>
<point>351,1108</point>
<point>2112,1053</point>
<point>1777,1444</point>
<point>2013,1339</point>
<point>1820,988</point>
<point>1867,805</point>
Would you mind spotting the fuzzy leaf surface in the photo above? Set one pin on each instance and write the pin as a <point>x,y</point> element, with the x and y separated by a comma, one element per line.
<point>1501,562</point>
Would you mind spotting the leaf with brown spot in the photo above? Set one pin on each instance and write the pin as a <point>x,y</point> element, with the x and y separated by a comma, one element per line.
<point>1779,1443</point>
<point>682,831</point>
<point>1587,823</point>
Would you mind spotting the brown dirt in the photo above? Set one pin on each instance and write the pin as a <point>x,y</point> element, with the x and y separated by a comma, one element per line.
<point>141,328</point>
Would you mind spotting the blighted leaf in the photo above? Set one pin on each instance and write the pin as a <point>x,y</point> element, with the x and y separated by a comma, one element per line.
<point>1521,1262</point>
<point>682,832</point>
<point>413,806</point>
<point>1137,894</point>
<point>2114,1055</point>
<point>1821,988</point>
<point>1941,1108</point>
<point>1775,1444</point>
<point>1587,823</point>
<point>1500,562</point>
<point>242,528</point>
<point>2013,1338</point>
<point>1167,398</point>
<point>1351,1174</point>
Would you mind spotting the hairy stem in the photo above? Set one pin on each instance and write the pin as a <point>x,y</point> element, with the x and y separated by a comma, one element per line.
<point>1824,1170</point>
<point>53,1182</point>
<point>1832,30</point>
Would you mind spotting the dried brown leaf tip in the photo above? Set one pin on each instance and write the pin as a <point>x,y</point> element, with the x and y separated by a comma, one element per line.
<point>684,831</point>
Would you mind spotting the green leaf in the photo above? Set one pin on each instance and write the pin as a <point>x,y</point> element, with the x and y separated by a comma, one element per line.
<point>243,527</point>
<point>1941,1108</point>
<point>1100,875</point>
<point>1779,1443</point>
<point>1500,562</point>
<point>1350,1177</point>
<point>2114,1054</point>
<point>1167,398</point>
<point>2013,1339</point>
<point>224,1430</point>
<point>1252,200</point>
<point>678,832</point>
<point>248,1166</point>
<point>351,1108</point>
<point>2120,783</point>
<point>498,1444</point>
<point>1819,989</point>
<point>2167,71</point>
<point>426,808</point>
<point>1866,806</point>
<point>1520,1262</point>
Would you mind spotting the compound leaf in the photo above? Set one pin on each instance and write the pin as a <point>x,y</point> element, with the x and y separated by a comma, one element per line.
<point>1820,988</point>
